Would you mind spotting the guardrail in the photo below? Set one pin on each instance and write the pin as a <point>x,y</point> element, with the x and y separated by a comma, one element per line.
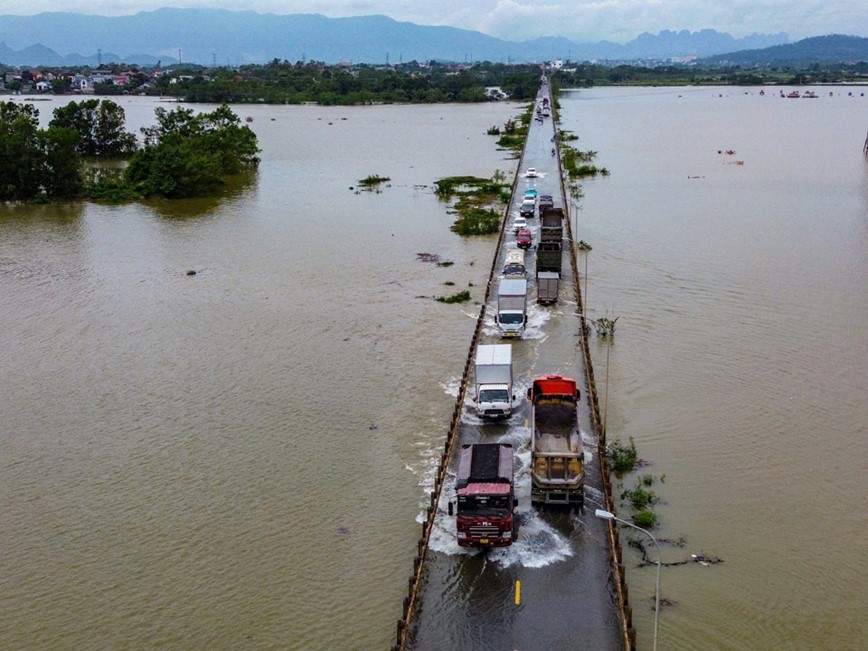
<point>414,583</point>
<point>628,631</point>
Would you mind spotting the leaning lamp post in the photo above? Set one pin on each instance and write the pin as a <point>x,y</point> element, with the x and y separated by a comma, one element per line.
<point>608,348</point>
<point>606,515</point>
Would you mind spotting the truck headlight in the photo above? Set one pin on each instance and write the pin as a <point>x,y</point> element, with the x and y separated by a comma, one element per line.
<point>507,535</point>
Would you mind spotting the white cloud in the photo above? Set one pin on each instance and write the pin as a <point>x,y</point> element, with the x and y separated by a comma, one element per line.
<point>519,20</point>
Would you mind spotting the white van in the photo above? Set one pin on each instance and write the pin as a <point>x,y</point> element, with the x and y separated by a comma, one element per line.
<point>513,265</point>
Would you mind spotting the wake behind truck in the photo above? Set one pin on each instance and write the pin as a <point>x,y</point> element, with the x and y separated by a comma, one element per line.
<point>557,469</point>
<point>486,496</point>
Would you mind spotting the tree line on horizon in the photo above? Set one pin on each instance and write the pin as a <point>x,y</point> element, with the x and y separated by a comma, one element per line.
<point>282,82</point>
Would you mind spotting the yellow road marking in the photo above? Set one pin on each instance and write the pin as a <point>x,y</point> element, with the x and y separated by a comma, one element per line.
<point>517,592</point>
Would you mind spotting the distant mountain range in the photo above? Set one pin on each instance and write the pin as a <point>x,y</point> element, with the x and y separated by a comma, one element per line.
<point>221,37</point>
<point>835,48</point>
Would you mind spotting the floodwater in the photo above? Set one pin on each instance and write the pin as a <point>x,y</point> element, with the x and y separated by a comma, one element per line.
<point>236,458</point>
<point>740,360</point>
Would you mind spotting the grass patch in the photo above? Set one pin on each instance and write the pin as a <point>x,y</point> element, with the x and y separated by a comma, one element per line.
<point>578,164</point>
<point>645,519</point>
<point>460,297</point>
<point>622,457</point>
<point>478,202</point>
<point>373,181</point>
<point>640,497</point>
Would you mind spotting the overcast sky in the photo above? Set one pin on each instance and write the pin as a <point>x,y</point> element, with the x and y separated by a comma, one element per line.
<point>519,20</point>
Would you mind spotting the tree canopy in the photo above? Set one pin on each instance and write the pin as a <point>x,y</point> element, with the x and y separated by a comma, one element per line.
<point>188,155</point>
<point>100,126</point>
<point>184,155</point>
<point>36,161</point>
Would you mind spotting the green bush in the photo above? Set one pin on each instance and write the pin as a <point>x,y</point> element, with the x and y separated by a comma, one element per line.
<point>640,497</point>
<point>460,297</point>
<point>645,519</point>
<point>622,457</point>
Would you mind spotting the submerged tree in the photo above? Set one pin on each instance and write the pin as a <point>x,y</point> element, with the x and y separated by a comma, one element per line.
<point>188,155</point>
<point>36,162</point>
<point>100,126</point>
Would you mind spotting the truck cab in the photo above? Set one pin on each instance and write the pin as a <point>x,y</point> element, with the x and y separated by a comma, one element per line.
<point>485,515</point>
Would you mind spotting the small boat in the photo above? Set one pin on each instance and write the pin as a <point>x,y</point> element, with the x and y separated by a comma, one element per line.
<point>810,94</point>
<point>793,95</point>
<point>249,118</point>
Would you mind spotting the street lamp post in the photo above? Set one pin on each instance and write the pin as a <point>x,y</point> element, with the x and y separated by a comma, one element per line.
<point>608,348</point>
<point>576,249</point>
<point>606,515</point>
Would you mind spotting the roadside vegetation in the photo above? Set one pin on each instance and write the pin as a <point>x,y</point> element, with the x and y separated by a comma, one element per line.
<point>514,134</point>
<point>460,297</point>
<point>478,202</point>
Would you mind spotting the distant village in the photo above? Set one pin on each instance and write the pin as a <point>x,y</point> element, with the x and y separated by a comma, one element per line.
<point>86,82</point>
<point>146,81</point>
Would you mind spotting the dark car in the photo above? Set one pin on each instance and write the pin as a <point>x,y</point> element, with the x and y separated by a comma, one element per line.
<point>527,207</point>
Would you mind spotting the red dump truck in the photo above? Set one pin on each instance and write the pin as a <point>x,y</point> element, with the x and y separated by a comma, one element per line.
<point>557,469</point>
<point>486,496</point>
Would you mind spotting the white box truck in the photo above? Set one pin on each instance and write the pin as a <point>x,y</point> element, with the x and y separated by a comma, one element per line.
<point>493,374</point>
<point>512,306</point>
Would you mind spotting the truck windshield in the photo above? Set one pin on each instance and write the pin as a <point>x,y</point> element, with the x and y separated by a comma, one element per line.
<point>494,395</point>
<point>514,318</point>
<point>472,506</point>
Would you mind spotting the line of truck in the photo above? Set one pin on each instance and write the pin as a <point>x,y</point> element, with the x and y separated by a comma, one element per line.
<point>511,316</point>
<point>485,485</point>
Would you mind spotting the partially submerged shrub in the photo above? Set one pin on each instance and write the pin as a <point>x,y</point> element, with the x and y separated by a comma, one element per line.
<point>622,457</point>
<point>460,297</point>
<point>645,519</point>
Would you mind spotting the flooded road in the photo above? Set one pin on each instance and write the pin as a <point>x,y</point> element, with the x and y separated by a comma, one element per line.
<point>553,586</point>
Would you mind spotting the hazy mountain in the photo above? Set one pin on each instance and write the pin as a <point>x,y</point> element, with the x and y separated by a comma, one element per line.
<point>835,48</point>
<point>219,36</point>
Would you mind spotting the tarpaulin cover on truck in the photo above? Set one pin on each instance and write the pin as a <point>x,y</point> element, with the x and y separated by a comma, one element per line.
<point>554,385</point>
